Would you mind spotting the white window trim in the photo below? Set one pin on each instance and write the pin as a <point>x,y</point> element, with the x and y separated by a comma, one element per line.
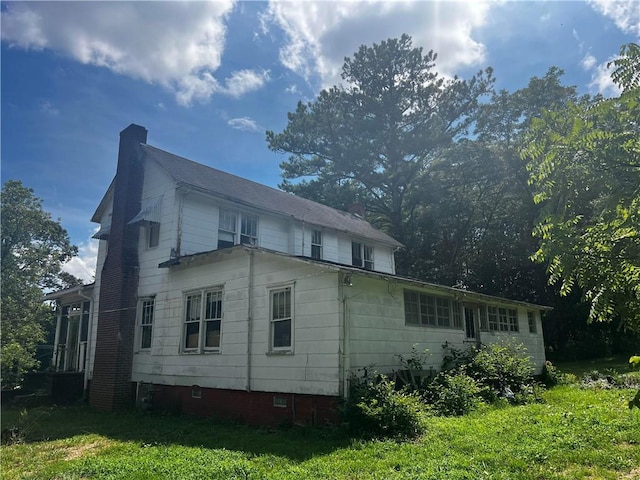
<point>364,259</point>
<point>140,326</point>
<point>270,291</point>
<point>314,244</point>
<point>149,230</point>
<point>202,321</point>
<point>237,232</point>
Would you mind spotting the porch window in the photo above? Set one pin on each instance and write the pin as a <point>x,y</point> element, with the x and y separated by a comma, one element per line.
<point>513,320</point>
<point>202,321</point>
<point>281,319</point>
<point>316,244</point>
<point>146,313</point>
<point>431,311</point>
<point>502,319</point>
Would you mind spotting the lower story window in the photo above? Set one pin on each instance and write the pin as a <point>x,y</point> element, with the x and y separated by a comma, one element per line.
<point>502,319</point>
<point>429,310</point>
<point>281,318</point>
<point>147,307</point>
<point>531,318</point>
<point>202,321</point>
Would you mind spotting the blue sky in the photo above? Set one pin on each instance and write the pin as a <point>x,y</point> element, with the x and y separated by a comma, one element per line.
<point>208,78</point>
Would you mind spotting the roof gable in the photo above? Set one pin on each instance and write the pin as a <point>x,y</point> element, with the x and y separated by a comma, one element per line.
<point>246,192</point>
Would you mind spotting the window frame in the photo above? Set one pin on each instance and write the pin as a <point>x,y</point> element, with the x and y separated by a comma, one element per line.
<point>245,228</point>
<point>146,317</point>
<point>153,235</point>
<point>316,244</point>
<point>428,311</point>
<point>201,319</point>
<point>365,255</point>
<point>272,291</point>
<point>531,320</point>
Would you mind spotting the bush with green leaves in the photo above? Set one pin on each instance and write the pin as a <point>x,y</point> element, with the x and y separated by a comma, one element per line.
<point>552,376</point>
<point>376,409</point>
<point>453,393</point>
<point>501,367</point>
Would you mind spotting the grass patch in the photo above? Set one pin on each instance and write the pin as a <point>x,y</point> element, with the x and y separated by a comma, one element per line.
<point>575,434</point>
<point>618,364</point>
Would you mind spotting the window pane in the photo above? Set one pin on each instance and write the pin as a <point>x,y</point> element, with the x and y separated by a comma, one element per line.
<point>249,230</point>
<point>281,304</point>
<point>154,234</point>
<point>368,257</point>
<point>282,333</point>
<point>531,317</point>
<point>213,305</point>
<point>193,308</point>
<point>145,341</point>
<point>212,334</point>
<point>356,254</point>
<point>411,308</point>
<point>192,334</point>
<point>443,312</point>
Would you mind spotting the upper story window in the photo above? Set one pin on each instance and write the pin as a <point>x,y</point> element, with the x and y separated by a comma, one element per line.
<point>531,318</point>
<point>431,311</point>
<point>153,234</point>
<point>145,323</point>
<point>202,321</point>
<point>361,255</point>
<point>316,244</point>
<point>230,223</point>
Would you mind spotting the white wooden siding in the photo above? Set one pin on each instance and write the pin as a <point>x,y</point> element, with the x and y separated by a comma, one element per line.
<point>313,367</point>
<point>377,330</point>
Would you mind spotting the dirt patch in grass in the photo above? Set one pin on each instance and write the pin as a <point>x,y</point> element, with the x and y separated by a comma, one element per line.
<point>77,451</point>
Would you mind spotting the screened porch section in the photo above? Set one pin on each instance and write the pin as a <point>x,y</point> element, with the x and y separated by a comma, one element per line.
<point>70,349</point>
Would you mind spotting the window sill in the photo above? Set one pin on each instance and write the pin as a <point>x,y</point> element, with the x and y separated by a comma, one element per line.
<point>201,352</point>
<point>277,353</point>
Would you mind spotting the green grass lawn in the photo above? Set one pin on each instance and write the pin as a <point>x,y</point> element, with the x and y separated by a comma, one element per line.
<point>575,434</point>
<point>618,364</point>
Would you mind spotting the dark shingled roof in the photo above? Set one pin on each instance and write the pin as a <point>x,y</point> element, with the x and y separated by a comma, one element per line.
<point>243,191</point>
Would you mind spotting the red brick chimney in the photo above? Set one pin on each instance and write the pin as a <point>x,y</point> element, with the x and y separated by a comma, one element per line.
<point>111,386</point>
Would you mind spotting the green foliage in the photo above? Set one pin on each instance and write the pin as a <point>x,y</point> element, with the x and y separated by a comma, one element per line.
<point>552,376</point>
<point>34,247</point>
<point>626,72</point>
<point>453,393</point>
<point>376,409</point>
<point>373,139</point>
<point>585,169</point>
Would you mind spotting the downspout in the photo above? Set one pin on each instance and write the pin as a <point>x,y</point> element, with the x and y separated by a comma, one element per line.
<point>249,322</point>
<point>346,354</point>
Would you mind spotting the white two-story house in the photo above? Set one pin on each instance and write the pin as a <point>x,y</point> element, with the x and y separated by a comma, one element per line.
<point>216,295</point>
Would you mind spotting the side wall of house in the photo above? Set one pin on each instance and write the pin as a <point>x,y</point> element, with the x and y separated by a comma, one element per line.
<point>245,279</point>
<point>377,330</point>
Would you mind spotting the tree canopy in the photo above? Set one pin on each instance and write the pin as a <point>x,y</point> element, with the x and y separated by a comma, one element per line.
<point>372,139</point>
<point>34,247</point>
<point>584,162</point>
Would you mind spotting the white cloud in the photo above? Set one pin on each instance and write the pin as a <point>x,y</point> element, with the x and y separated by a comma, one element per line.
<point>244,81</point>
<point>178,45</point>
<point>588,62</point>
<point>601,81</point>
<point>245,123</point>
<point>624,13</point>
<point>84,265</point>
<point>320,34</point>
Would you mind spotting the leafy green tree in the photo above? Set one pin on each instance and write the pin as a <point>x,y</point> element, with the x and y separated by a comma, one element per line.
<point>34,247</point>
<point>584,162</point>
<point>372,140</point>
<point>475,226</point>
